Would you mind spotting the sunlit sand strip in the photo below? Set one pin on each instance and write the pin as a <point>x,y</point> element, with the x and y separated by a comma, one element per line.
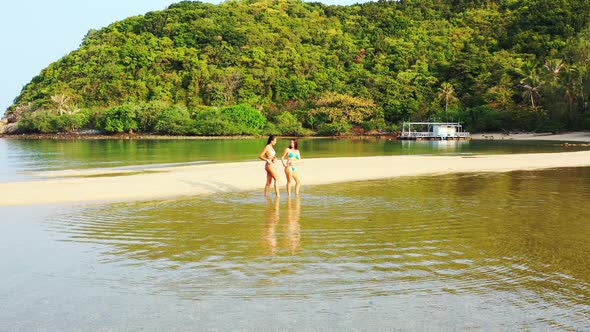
<point>114,171</point>
<point>244,176</point>
<point>578,136</point>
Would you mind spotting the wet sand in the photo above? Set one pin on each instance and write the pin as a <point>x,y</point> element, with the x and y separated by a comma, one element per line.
<point>158,183</point>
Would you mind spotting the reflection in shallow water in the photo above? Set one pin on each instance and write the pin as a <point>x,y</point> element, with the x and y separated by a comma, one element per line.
<point>291,227</point>
<point>437,147</point>
<point>272,219</point>
<point>511,245</point>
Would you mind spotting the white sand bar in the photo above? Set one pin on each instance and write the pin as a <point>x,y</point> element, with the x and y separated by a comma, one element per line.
<point>244,176</point>
<point>578,136</point>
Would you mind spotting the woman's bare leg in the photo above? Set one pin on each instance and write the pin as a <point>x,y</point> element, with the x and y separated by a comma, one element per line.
<point>289,177</point>
<point>277,188</point>
<point>297,183</point>
<point>268,182</point>
<point>272,175</point>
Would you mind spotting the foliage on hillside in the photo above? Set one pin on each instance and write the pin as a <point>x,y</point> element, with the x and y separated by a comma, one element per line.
<point>238,67</point>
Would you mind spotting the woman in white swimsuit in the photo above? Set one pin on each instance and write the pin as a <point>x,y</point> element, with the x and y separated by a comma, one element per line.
<point>268,154</point>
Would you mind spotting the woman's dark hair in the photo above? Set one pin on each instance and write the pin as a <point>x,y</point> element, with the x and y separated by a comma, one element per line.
<point>270,138</point>
<point>294,144</point>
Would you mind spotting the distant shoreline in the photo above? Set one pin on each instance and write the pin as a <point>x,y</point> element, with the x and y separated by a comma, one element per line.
<point>134,136</point>
<point>121,136</point>
<point>578,136</point>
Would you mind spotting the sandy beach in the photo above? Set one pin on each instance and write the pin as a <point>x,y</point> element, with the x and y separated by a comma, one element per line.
<point>159,183</point>
<point>564,137</point>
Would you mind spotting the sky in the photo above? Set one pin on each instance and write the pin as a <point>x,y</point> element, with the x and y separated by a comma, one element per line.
<point>35,33</point>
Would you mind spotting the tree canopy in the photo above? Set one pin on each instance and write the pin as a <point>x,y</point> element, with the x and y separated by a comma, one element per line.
<point>199,68</point>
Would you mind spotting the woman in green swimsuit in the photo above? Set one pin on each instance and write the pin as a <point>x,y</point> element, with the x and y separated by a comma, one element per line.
<point>269,156</point>
<point>293,157</point>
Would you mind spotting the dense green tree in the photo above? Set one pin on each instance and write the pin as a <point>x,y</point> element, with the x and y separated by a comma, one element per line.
<point>245,117</point>
<point>118,119</point>
<point>193,62</point>
<point>338,108</point>
<point>175,121</point>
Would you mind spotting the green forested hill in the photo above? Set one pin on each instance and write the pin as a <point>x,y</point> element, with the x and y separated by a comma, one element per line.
<point>285,66</point>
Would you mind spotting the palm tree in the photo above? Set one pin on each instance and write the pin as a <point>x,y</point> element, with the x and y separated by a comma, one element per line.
<point>531,93</point>
<point>446,94</point>
<point>531,86</point>
<point>574,94</point>
<point>554,67</point>
<point>62,102</point>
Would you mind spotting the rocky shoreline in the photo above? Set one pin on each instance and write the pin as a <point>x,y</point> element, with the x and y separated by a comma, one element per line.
<point>135,136</point>
<point>8,129</point>
<point>97,135</point>
<point>119,136</point>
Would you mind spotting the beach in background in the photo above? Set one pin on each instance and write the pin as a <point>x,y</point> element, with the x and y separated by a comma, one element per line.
<point>579,136</point>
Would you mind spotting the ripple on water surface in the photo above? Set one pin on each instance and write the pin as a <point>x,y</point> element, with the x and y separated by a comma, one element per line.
<point>513,245</point>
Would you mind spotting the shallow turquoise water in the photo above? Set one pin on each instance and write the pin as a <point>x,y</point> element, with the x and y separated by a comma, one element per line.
<point>18,158</point>
<point>455,252</point>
